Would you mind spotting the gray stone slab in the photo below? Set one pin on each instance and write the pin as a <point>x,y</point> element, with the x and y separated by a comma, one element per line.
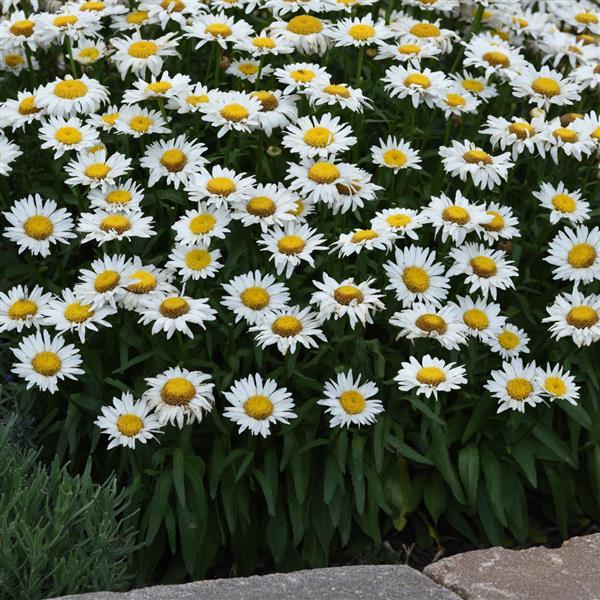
<point>370,582</point>
<point>571,572</point>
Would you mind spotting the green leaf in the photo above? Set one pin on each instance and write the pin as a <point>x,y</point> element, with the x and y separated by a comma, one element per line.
<point>468,468</point>
<point>407,451</point>
<point>547,437</point>
<point>158,505</point>
<point>492,471</point>
<point>179,475</point>
<point>435,495</point>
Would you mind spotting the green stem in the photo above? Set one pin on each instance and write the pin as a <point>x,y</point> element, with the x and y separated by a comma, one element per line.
<point>71,60</point>
<point>260,66</point>
<point>473,29</point>
<point>359,65</point>
<point>218,55</point>
<point>388,11</point>
<point>163,110</point>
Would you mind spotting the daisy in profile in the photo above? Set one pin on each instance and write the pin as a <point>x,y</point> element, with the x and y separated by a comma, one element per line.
<point>359,32</point>
<point>189,99</point>
<point>20,111</point>
<point>574,139</point>
<point>220,186</point>
<point>136,122</point>
<point>179,396</point>
<point>318,136</point>
<point>545,88</point>
<point>395,155</point>
<point>104,120</point>
<point>133,20</point>
<point>518,134</point>
<point>575,315</point>
<point>288,328</point>
<point>68,313</point>
<point>268,205</point>
<point>276,109</point>
<point>254,296</point>
<point>422,320</point>
<point>485,269</point>
<point>232,111</point>
<point>562,203</point>
<point>248,70</point>
<point>291,245</point>
<point>176,160</point>
<point>75,25</point>
<point>423,31</point>
<point>421,86</point>
<point>171,312</point>
<point>255,404</point>
<point>454,219</point>
<point>408,50</point>
<point>415,276</point>
<point>350,402</point>
<point>200,225</point>
<point>337,94</point>
<point>9,151</point>
<point>194,262</point>
<point>356,300</point>
<point>36,224</point>
<point>429,376</point>
<point>62,135</point>
<point>402,222</point>
<point>497,57</point>
<point>102,226</point>
<point>21,308</point>
<point>557,384</point>
<point>308,34</point>
<point>515,386</point>
<point>128,422</point>
<point>358,240</point>
<point>587,76</point>
<point>43,361</point>
<point>97,169</point>
<point>65,97</point>
<point>145,280</point>
<point>123,196</point>
<point>464,159</point>
<point>103,282</point>
<point>297,77</point>
<point>509,343</point>
<point>575,254</point>
<point>483,319</point>
<point>218,28</point>
<point>161,87</point>
<point>503,225</point>
<point>476,85</point>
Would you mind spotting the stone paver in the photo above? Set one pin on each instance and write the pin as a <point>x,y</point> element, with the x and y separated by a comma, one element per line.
<point>380,582</point>
<point>571,572</point>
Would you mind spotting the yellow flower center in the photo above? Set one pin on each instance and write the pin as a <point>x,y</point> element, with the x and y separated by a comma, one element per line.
<point>519,388</point>
<point>90,54</point>
<point>394,158</point>
<point>586,18</point>
<point>106,281</point>
<point>38,227</point>
<point>68,135</point>
<point>63,21</point>
<point>363,235</point>
<point>323,173</point>
<point>159,87</point>
<point>346,294</point>
<point>110,118</point>
<point>178,391</point>
<point>97,171</point>
<point>221,186</point>
<point>418,79</point>
<point>202,224</point>
<point>302,75</point>
<point>425,30</point>
<point>217,30</point>
<point>92,6</point>
<point>546,87</point>
<point>174,160</point>
<point>129,425</point>
<point>23,27</point>
<point>174,307</point>
<point>353,402</point>
<point>565,135</point>
<point>27,106</point>
<point>234,112</point>
<point>142,49</point>
<point>298,210</point>
<point>305,25</point>
<point>409,49</point>
<point>483,266</point>
<point>291,244</point>
<point>477,157</point>
<point>255,298</point>
<point>496,224</point>
<point>194,100</point>
<point>75,312</point>
<point>118,197</point>
<point>21,309</point>
<point>263,42</point>
<point>137,17</point>
<point>431,322</point>
<point>456,214</point>
<point>454,100</point>
<point>248,68</point>
<point>582,317</point>
<point>173,5</point>
<point>564,203</point>
<point>473,85</point>
<point>337,90</point>
<point>398,220</point>
<point>318,137</point>
<point>508,340</point>
<point>520,22</point>
<point>261,206</point>
<point>555,386</point>
<point>361,32</point>
<point>475,318</point>
<point>496,59</point>
<point>267,99</point>
<point>258,407</point>
<point>141,123</point>
<point>13,60</point>
<point>198,260</point>
<point>69,89</point>
<point>46,363</point>
<point>117,223</point>
<point>522,130</point>
<point>431,376</point>
<point>286,326</point>
<point>582,256</point>
<point>416,279</point>
<point>144,282</point>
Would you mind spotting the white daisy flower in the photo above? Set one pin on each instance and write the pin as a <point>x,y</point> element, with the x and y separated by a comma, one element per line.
<point>574,140</point>
<point>68,96</point>
<point>123,196</point>
<point>337,94</point>
<point>350,402</point>
<point>429,31</point>
<point>455,101</point>
<point>18,30</point>
<point>254,296</point>
<point>356,300</point>
<point>164,11</point>
<point>179,396</point>
<point>497,57</point>
<point>133,20</point>
<point>515,386</point>
<point>220,186</point>
<point>264,44</point>
<point>517,134</point>
<point>557,384</point>
<point>96,169</point>
<point>354,189</point>
<point>308,34</point>
<point>587,76</point>
<point>545,88</point>
<point>276,110</point>
<point>136,122</point>
<point>87,52</point>
<point>136,53</point>
<point>400,221</point>
<point>194,262</point>
<point>267,205</point>
<point>103,226</point>
<point>54,28</point>
<point>562,203</point>
<point>199,225</point>
<point>429,376</point>
<point>189,99</point>
<point>217,28</point>
<point>162,87</point>
<point>21,308</point>
<point>255,404</point>
<point>297,77</point>
<point>20,111</point>
<point>476,85</point>
<point>363,239</point>
<point>62,135</point>
<point>105,120</point>
<point>127,422</point>
<point>415,276</point>
<point>171,312</point>
<point>232,111</point>
<point>575,254</point>
<point>418,85</point>
<point>395,155</point>
<point>509,343</point>
<point>575,315</point>
<point>359,32</point>
<point>9,151</point>
<point>482,318</point>
<point>408,50</point>
<point>144,281</point>
<point>502,226</point>
<point>43,361</point>
<point>248,70</point>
